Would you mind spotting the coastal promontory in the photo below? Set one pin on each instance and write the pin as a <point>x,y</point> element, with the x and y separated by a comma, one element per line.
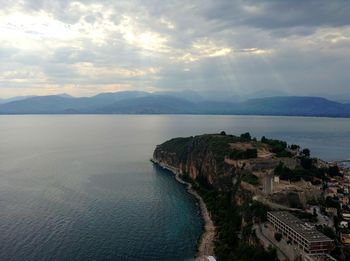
<point>241,179</point>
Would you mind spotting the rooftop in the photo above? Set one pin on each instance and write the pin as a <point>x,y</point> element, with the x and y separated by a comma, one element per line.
<point>304,229</point>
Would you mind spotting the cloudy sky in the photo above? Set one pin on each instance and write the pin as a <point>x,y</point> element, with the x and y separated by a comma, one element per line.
<point>219,48</point>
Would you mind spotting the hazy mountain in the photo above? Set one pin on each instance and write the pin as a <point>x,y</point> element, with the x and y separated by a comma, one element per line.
<point>184,94</point>
<point>266,93</point>
<point>293,105</point>
<point>134,102</point>
<point>150,104</point>
<point>39,105</point>
<point>120,102</point>
<point>17,98</point>
<point>117,96</point>
<point>65,95</point>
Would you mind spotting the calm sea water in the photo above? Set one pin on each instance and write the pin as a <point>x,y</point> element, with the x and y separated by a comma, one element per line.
<point>82,187</point>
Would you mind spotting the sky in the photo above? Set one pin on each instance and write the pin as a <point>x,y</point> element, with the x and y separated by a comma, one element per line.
<point>218,48</point>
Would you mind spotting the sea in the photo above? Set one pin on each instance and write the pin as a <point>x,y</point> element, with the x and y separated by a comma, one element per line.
<point>82,187</point>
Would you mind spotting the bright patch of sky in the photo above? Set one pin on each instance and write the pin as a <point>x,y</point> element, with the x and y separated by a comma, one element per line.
<point>226,48</point>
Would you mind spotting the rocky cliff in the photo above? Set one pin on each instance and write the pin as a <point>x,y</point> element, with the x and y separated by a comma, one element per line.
<point>201,158</point>
<point>234,177</point>
<point>214,159</point>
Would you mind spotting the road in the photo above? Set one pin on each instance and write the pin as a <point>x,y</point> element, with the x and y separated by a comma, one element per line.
<point>266,242</point>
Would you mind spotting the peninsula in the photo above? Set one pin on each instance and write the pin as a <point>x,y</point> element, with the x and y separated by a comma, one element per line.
<point>242,183</point>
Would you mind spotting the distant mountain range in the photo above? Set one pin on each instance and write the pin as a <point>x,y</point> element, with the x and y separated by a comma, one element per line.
<point>3,101</point>
<point>136,102</point>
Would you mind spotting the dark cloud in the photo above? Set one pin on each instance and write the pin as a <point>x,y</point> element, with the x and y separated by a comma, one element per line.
<point>278,14</point>
<point>231,48</point>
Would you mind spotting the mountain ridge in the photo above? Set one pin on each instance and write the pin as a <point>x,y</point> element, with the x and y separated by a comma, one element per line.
<point>138,102</point>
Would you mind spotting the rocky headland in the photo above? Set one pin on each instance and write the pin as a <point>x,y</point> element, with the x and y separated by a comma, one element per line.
<point>236,180</point>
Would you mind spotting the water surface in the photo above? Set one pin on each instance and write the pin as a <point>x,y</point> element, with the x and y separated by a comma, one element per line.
<point>81,187</point>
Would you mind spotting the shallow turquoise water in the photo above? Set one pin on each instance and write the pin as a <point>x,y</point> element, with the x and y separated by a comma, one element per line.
<point>83,188</point>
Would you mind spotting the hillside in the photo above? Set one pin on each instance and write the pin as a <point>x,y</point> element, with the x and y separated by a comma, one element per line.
<point>229,171</point>
<point>295,106</point>
<point>135,102</point>
<point>214,158</point>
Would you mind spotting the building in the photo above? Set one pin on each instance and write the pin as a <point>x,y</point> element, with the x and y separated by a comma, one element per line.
<point>344,200</point>
<point>330,192</point>
<point>268,184</point>
<point>345,216</point>
<point>332,211</point>
<point>344,224</point>
<point>345,238</point>
<point>306,237</point>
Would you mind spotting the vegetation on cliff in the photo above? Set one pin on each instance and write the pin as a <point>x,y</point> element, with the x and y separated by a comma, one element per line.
<point>221,168</point>
<point>201,160</point>
<point>212,150</point>
<point>235,238</point>
<point>308,171</point>
<point>277,146</point>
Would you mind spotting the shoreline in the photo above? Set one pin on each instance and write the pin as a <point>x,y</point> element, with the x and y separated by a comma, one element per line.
<point>205,245</point>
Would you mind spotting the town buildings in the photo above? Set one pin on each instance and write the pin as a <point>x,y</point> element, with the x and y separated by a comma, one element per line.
<point>305,236</point>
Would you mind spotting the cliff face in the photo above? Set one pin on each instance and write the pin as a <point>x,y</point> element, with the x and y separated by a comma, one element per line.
<point>233,175</point>
<point>202,158</point>
<point>213,160</point>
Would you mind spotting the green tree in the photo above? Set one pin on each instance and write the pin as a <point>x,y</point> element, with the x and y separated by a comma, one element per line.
<point>306,152</point>
<point>306,162</point>
<point>333,171</point>
<point>328,231</point>
<point>246,136</point>
<point>278,237</point>
<point>294,147</point>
